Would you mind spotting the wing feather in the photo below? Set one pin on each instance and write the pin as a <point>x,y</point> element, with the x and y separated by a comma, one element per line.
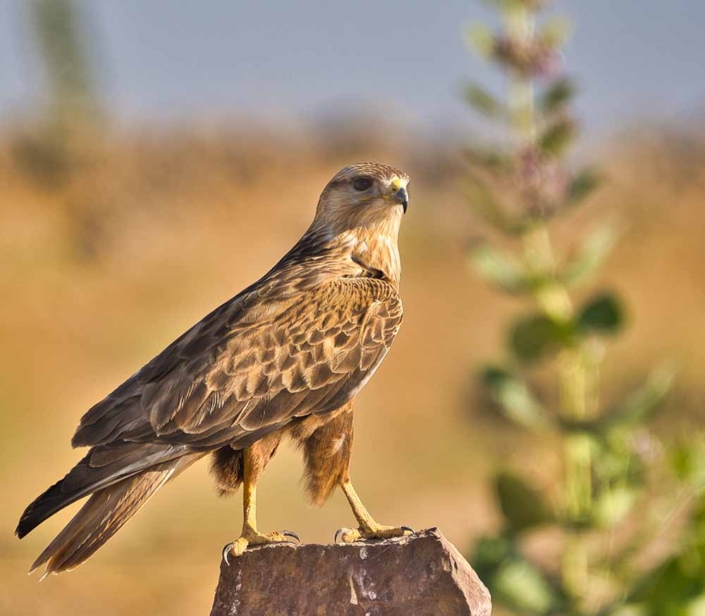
<point>253,365</point>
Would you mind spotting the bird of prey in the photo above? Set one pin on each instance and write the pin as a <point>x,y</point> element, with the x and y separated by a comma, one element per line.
<point>285,357</point>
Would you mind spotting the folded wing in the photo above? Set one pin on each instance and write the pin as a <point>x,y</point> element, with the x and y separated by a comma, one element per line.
<point>252,366</point>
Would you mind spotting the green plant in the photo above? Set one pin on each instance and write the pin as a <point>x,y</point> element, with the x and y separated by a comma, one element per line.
<point>613,471</point>
<point>63,147</point>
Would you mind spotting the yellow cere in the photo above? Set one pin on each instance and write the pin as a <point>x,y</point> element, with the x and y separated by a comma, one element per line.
<point>397,183</point>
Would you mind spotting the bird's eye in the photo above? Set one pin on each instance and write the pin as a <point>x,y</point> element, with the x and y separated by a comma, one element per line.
<point>362,183</point>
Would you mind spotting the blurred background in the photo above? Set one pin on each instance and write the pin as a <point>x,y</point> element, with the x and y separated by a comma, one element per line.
<point>156,158</point>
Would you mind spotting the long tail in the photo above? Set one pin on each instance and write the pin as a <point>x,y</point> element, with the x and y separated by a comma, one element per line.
<point>121,481</point>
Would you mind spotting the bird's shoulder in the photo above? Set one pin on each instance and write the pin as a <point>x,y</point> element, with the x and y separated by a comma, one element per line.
<point>296,298</point>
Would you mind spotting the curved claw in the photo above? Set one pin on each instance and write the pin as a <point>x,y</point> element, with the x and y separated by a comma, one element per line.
<point>339,534</point>
<point>226,552</point>
<point>292,534</point>
<point>411,530</point>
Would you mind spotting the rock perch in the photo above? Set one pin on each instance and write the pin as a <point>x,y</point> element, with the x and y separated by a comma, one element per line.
<point>421,574</point>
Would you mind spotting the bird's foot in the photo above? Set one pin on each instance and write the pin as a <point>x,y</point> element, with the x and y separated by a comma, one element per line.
<point>252,537</point>
<point>371,532</point>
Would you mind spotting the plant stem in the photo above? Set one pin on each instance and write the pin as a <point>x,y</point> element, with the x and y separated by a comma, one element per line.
<point>575,392</point>
<point>520,25</point>
<point>575,376</point>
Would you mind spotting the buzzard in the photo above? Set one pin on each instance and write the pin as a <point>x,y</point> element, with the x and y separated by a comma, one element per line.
<point>285,357</point>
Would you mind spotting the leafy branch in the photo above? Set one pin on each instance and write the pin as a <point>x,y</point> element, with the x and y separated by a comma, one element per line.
<point>607,471</point>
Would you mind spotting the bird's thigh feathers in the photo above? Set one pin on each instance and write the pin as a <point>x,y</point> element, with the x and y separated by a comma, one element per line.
<point>228,468</point>
<point>326,441</point>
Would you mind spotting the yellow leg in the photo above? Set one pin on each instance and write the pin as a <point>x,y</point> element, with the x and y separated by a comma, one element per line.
<point>369,529</point>
<point>249,496</point>
<point>250,535</point>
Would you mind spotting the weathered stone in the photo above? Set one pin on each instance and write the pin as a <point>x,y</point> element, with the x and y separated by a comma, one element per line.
<point>421,574</point>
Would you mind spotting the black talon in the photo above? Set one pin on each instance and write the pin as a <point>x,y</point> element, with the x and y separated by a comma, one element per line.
<point>226,550</point>
<point>411,530</point>
<point>292,534</point>
<point>338,534</point>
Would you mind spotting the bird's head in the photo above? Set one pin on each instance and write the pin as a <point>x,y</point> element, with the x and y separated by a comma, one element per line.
<point>364,195</point>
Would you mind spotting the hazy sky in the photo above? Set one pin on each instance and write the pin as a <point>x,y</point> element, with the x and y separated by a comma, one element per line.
<point>163,59</point>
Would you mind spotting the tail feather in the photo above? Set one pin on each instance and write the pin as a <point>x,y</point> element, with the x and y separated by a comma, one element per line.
<point>104,514</point>
<point>102,467</point>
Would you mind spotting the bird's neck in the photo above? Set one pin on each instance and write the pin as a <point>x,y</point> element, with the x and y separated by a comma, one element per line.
<point>371,247</point>
<point>377,254</point>
<point>374,247</point>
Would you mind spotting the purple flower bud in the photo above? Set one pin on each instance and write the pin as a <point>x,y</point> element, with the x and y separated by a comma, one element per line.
<point>530,57</point>
<point>542,183</point>
<point>646,446</point>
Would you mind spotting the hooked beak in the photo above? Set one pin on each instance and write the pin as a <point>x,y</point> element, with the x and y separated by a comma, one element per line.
<point>401,196</point>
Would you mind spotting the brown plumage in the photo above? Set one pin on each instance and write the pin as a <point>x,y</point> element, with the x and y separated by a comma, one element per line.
<point>286,356</point>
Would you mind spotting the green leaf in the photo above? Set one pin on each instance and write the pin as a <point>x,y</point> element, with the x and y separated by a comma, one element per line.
<point>484,202</point>
<point>603,314</point>
<point>557,95</point>
<point>483,101</point>
<point>481,39</point>
<point>506,5</point>
<point>515,5</point>
<point>555,32</point>
<point>515,582</point>
<point>497,268</point>
<point>582,185</point>
<point>490,552</point>
<point>489,158</point>
<point>687,459</point>
<point>622,610</point>
<point>558,137</point>
<point>536,336</point>
<point>642,403</point>
<point>592,254</point>
<point>521,586</point>
<point>515,399</point>
<point>613,504</point>
<point>674,587</point>
<point>522,505</point>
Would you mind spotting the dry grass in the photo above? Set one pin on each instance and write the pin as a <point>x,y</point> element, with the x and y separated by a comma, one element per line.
<point>98,274</point>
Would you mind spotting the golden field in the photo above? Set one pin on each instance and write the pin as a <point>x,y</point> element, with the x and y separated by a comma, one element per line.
<point>103,266</point>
